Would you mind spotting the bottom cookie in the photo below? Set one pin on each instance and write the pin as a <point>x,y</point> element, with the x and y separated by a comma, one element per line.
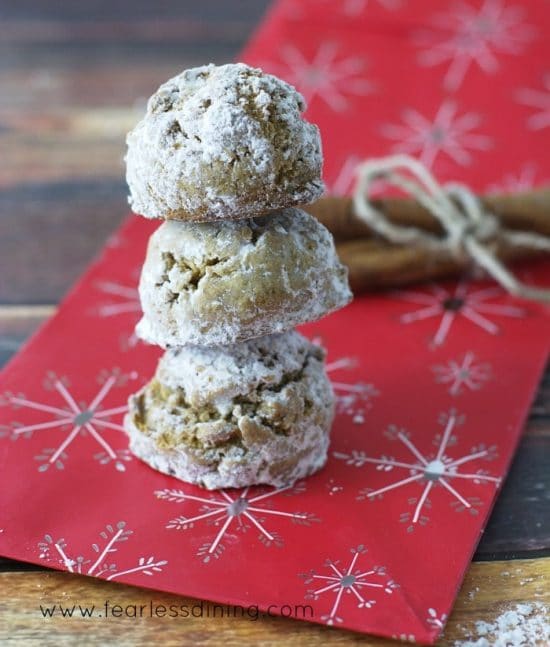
<point>248,414</point>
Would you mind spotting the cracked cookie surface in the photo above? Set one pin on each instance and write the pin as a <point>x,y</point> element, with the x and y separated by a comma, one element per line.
<point>223,142</point>
<point>226,282</point>
<point>253,413</point>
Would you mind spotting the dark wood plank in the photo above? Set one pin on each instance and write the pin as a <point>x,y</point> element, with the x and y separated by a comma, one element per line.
<point>74,80</point>
<point>62,227</point>
<point>520,523</point>
<point>541,406</point>
<point>106,12</point>
<point>16,325</point>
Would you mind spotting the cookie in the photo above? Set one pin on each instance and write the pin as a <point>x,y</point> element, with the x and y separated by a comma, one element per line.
<point>223,142</point>
<point>226,282</point>
<point>254,413</point>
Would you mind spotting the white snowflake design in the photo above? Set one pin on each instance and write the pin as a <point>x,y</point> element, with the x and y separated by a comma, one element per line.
<point>326,75</point>
<point>351,399</point>
<point>347,580</point>
<point>447,133</point>
<point>405,638</point>
<point>464,302</point>
<point>435,619</point>
<point>466,35</point>
<point>461,375</point>
<point>429,469</point>
<point>357,7</point>
<point>123,299</point>
<point>97,564</point>
<point>115,241</point>
<point>540,100</point>
<point>128,342</point>
<point>224,511</point>
<point>333,488</point>
<point>344,180</point>
<point>349,8</point>
<point>77,419</point>
<point>522,180</point>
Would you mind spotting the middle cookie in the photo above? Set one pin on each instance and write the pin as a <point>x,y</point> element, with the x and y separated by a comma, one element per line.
<point>218,283</point>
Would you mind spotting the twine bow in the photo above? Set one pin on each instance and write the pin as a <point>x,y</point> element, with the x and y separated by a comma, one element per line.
<point>470,231</point>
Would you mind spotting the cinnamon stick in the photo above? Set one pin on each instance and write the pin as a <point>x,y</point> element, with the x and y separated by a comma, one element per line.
<point>374,264</point>
<point>527,211</point>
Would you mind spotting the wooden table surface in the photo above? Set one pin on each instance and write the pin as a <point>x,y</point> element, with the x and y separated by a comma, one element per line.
<point>74,77</point>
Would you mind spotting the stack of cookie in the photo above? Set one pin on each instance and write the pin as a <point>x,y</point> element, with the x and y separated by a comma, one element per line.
<point>239,398</point>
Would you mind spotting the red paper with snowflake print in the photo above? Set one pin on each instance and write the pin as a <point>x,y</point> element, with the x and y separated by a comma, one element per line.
<point>433,383</point>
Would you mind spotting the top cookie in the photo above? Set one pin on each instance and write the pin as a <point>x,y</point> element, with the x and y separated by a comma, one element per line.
<point>222,143</point>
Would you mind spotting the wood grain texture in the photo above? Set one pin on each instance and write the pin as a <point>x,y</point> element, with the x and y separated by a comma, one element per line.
<point>488,590</point>
<point>74,79</point>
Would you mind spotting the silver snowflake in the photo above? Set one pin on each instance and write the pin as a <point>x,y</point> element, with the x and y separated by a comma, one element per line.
<point>465,35</point>
<point>351,399</point>
<point>435,619</point>
<point>429,469</point>
<point>350,8</point>
<point>354,8</point>
<point>240,511</point>
<point>446,133</point>
<point>522,180</point>
<point>97,564</point>
<point>462,374</point>
<point>348,580</point>
<point>77,419</point>
<point>540,100</point>
<point>405,638</point>
<point>326,75</point>
<point>123,299</point>
<point>464,302</point>
<point>128,342</point>
<point>333,488</point>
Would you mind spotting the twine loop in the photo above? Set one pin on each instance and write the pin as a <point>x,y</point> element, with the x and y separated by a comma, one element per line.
<point>470,232</point>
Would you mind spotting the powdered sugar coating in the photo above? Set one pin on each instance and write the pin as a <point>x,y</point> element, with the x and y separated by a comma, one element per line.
<point>216,375</point>
<point>256,413</point>
<point>223,142</point>
<point>226,282</point>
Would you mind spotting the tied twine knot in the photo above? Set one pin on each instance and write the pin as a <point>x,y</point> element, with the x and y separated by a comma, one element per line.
<point>470,231</point>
